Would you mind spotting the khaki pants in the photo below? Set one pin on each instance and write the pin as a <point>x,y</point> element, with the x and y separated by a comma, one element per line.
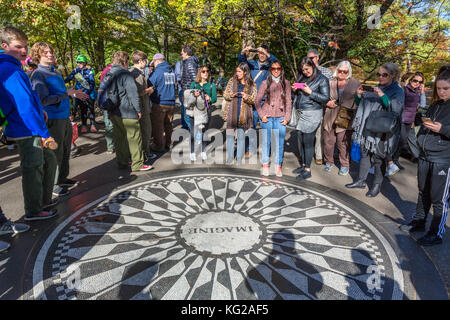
<point>162,117</point>
<point>128,142</point>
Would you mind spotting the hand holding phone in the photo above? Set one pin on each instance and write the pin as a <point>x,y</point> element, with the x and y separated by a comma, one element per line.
<point>426,119</point>
<point>367,88</point>
<point>299,85</point>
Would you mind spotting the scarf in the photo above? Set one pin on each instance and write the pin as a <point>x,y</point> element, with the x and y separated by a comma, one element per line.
<point>241,120</point>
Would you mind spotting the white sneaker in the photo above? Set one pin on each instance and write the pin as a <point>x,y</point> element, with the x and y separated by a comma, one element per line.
<point>193,157</point>
<point>11,147</point>
<point>204,157</point>
<point>392,169</point>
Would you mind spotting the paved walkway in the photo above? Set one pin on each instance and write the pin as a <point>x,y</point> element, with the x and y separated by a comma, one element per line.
<point>212,231</point>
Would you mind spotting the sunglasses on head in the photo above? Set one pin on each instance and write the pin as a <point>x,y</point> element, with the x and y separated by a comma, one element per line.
<point>416,81</point>
<point>343,71</point>
<point>384,75</point>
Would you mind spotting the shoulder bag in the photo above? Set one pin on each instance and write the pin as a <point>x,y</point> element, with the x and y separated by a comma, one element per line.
<point>382,122</point>
<point>345,115</point>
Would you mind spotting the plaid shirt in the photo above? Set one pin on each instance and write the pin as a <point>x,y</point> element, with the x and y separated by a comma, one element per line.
<point>326,72</point>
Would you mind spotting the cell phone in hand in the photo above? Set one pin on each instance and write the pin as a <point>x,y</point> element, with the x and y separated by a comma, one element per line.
<point>426,119</point>
<point>367,88</point>
<point>299,85</point>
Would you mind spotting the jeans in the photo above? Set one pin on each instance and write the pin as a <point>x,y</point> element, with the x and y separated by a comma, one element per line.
<point>240,135</point>
<point>306,146</point>
<point>273,125</point>
<point>197,136</point>
<point>185,124</point>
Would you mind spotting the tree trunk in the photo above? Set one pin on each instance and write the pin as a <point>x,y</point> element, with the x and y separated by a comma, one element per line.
<point>248,33</point>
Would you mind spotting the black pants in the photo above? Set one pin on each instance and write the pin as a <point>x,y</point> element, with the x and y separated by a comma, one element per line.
<point>87,110</point>
<point>403,142</point>
<point>365,164</point>
<point>306,146</point>
<point>434,182</point>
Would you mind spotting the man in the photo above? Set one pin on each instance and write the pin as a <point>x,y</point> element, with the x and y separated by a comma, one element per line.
<point>163,101</point>
<point>26,125</point>
<point>50,87</point>
<point>189,66</point>
<point>313,54</point>
<point>84,80</point>
<point>107,120</point>
<point>126,114</point>
<point>140,61</point>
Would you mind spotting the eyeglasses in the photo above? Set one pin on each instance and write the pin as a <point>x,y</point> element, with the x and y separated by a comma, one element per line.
<point>276,68</point>
<point>416,81</point>
<point>384,75</point>
<point>343,71</point>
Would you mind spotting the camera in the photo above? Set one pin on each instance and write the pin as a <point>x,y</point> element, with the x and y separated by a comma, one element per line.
<point>253,50</point>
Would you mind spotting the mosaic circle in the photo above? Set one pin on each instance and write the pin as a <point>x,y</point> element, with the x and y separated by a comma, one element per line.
<point>213,236</point>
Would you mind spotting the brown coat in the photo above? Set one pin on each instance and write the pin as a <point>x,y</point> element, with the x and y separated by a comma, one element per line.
<point>275,108</point>
<point>347,101</point>
<point>245,118</point>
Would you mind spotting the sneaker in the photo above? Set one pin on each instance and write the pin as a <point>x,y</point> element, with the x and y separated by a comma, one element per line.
<point>109,151</point>
<point>60,191</point>
<point>278,171</point>
<point>392,169</point>
<point>328,167</point>
<point>44,215</point>
<point>93,129</point>
<point>265,170</point>
<point>397,163</point>
<point>429,240</point>
<point>298,170</point>
<point>83,129</point>
<point>53,203</point>
<point>230,161</point>
<point>193,157</point>
<point>146,167</point>
<point>343,171</point>
<point>9,227</point>
<point>204,156</point>
<point>69,183</point>
<point>413,226</point>
<point>4,246</point>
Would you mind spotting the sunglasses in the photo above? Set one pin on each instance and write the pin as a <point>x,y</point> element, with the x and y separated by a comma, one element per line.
<point>205,71</point>
<point>417,81</point>
<point>384,75</point>
<point>276,68</point>
<point>343,71</point>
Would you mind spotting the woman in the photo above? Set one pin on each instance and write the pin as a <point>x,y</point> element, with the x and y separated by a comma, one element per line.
<point>275,113</point>
<point>414,98</point>
<point>199,119</point>
<point>314,91</point>
<point>240,95</point>
<point>387,95</point>
<point>342,101</point>
<point>434,164</point>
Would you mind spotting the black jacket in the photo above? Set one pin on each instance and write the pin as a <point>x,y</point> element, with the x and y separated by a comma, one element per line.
<point>128,93</point>
<point>320,94</point>
<point>189,68</point>
<point>435,147</point>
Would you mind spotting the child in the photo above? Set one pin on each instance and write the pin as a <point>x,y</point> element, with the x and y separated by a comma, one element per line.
<point>434,164</point>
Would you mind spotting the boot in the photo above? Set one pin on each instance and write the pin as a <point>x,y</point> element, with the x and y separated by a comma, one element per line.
<point>374,191</point>
<point>361,184</point>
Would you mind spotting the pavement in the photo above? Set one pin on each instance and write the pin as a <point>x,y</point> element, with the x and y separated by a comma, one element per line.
<point>213,231</point>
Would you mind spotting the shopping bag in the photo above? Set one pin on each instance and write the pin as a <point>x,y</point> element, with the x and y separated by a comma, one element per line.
<point>74,131</point>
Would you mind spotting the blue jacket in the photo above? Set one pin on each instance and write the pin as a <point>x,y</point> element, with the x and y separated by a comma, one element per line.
<point>50,87</point>
<point>163,81</point>
<point>88,75</point>
<point>19,102</point>
<point>255,67</point>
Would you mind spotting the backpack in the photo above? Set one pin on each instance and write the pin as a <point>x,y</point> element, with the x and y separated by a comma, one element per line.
<point>108,93</point>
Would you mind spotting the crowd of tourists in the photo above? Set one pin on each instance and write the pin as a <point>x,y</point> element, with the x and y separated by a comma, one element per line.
<point>328,111</point>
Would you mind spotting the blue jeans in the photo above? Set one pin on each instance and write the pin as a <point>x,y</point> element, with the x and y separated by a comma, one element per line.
<point>240,144</point>
<point>184,117</point>
<point>274,126</point>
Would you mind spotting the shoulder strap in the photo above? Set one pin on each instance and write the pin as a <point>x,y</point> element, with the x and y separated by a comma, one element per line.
<point>257,76</point>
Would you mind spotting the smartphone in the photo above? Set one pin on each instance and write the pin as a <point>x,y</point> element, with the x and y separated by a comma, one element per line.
<point>367,88</point>
<point>426,119</point>
<point>299,85</point>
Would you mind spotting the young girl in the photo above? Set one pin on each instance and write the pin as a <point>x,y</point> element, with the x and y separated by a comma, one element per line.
<point>275,113</point>
<point>434,164</point>
<point>240,95</point>
<point>199,119</point>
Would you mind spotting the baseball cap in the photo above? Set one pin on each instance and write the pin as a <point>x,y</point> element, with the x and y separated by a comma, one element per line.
<point>158,56</point>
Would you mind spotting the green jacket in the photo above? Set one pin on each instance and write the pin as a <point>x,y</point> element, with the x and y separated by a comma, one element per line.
<point>210,89</point>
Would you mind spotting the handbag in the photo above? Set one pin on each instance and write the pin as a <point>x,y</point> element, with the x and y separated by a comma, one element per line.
<point>294,116</point>
<point>355,152</point>
<point>74,131</point>
<point>382,122</point>
<point>345,116</point>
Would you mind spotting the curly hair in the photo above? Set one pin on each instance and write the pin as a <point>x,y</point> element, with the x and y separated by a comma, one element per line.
<point>38,50</point>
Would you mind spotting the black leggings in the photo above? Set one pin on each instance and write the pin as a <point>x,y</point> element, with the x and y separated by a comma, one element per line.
<point>306,146</point>
<point>87,110</point>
